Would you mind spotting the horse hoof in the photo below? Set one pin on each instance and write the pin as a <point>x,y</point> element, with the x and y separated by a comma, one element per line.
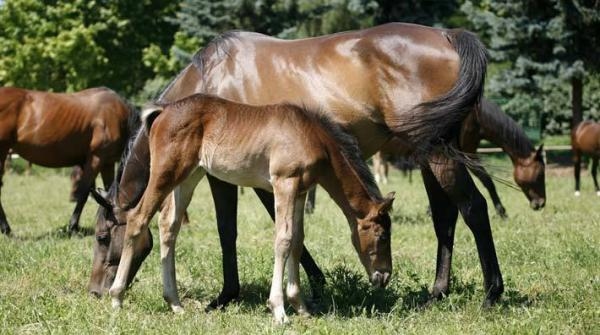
<point>279,316</point>
<point>177,309</point>
<point>117,303</point>
<point>577,193</point>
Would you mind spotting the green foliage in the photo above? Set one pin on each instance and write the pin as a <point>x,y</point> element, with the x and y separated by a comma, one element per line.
<point>71,45</point>
<point>547,44</point>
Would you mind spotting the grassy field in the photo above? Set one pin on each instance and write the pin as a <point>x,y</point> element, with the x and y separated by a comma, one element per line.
<point>550,262</point>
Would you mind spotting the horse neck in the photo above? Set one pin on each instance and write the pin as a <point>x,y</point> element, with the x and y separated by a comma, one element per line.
<point>505,133</point>
<point>355,196</point>
<point>136,172</point>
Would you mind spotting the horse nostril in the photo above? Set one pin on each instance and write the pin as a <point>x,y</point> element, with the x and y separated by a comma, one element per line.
<point>386,278</point>
<point>379,279</point>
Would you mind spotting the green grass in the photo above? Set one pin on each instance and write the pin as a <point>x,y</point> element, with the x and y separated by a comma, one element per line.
<point>549,261</point>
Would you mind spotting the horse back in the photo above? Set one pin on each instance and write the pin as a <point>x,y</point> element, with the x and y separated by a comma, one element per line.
<point>361,78</point>
<point>241,144</point>
<point>62,129</point>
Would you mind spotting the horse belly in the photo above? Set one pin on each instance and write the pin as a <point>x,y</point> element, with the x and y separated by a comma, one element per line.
<point>61,154</point>
<point>239,170</point>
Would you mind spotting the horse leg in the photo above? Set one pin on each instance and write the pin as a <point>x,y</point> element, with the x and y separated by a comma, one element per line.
<point>137,224</point>
<point>90,171</point>
<point>309,208</point>
<point>458,184</point>
<point>108,174</point>
<point>577,169</point>
<point>316,278</point>
<point>285,191</point>
<point>225,200</point>
<point>293,287</point>
<point>594,170</point>
<point>487,182</point>
<point>4,227</point>
<point>169,222</point>
<point>444,214</point>
<point>169,169</point>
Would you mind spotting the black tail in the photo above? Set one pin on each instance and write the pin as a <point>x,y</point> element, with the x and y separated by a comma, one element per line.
<point>435,122</point>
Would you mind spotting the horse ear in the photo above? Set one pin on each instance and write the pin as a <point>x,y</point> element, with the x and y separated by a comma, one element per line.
<point>148,116</point>
<point>386,205</point>
<point>540,152</point>
<point>101,197</point>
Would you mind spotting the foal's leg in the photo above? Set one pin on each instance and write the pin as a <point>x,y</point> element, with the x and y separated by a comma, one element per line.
<point>285,190</point>
<point>487,182</point>
<point>459,186</point>
<point>577,169</point>
<point>137,223</point>
<point>90,171</point>
<point>169,222</point>
<point>293,287</point>
<point>594,170</point>
<point>309,208</point>
<point>315,276</point>
<point>4,227</point>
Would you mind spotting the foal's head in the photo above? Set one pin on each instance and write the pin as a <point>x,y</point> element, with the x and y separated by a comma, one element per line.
<point>371,239</point>
<point>129,184</point>
<point>110,231</point>
<point>530,176</point>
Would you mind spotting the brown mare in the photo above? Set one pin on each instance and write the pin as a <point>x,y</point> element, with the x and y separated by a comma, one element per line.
<point>491,124</point>
<point>87,128</point>
<point>282,149</point>
<point>371,82</point>
<point>585,139</point>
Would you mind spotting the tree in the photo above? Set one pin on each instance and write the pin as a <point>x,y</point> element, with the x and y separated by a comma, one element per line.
<point>544,46</point>
<point>71,45</point>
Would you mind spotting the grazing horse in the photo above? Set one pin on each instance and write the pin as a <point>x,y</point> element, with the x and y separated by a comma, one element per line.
<point>585,139</point>
<point>87,128</point>
<point>395,80</point>
<point>282,149</point>
<point>490,123</point>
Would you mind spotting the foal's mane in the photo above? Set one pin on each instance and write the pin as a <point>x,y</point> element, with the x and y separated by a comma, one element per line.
<point>501,128</point>
<point>344,143</point>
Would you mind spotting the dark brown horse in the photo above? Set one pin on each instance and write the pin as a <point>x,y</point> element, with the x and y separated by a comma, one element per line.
<point>413,82</point>
<point>87,128</point>
<point>490,123</point>
<point>585,139</point>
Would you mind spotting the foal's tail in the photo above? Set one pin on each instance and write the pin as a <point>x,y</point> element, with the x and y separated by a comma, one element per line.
<point>438,121</point>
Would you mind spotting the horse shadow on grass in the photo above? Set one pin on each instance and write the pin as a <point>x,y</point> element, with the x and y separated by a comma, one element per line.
<point>346,294</point>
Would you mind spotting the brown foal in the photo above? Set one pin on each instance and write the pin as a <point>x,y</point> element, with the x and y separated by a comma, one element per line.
<point>283,149</point>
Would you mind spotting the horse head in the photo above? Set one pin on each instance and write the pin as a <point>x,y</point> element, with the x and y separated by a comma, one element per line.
<point>371,239</point>
<point>529,175</point>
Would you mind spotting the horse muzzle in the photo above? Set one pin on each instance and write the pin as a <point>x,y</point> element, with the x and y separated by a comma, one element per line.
<point>380,279</point>
<point>537,204</point>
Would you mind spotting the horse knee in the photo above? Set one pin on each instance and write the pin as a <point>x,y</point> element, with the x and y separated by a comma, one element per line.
<point>283,244</point>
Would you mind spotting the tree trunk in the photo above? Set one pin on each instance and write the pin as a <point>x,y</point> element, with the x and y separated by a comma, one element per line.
<point>576,101</point>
